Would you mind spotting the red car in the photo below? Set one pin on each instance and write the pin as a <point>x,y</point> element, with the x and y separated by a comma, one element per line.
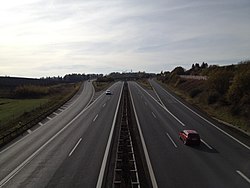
<point>190,137</point>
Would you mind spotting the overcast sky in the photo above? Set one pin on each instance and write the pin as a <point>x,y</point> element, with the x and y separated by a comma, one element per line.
<point>56,37</point>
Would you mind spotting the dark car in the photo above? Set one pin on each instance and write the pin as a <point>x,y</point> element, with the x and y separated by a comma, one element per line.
<point>190,137</point>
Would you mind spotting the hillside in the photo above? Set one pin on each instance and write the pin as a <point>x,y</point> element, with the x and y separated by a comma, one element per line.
<point>221,91</point>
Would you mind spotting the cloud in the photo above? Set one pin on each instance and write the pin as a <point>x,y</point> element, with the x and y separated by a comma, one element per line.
<point>56,37</point>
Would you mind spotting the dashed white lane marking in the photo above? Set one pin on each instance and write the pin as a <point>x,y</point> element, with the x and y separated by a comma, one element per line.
<point>75,147</point>
<point>171,140</point>
<point>150,168</point>
<point>243,176</point>
<point>162,106</point>
<point>154,115</point>
<point>206,144</point>
<point>104,105</point>
<point>29,131</point>
<point>95,118</point>
<point>146,103</point>
<point>235,139</point>
<point>158,96</point>
<point>105,157</point>
<point>49,118</point>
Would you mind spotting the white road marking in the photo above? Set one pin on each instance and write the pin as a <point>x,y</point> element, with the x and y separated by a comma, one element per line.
<point>235,139</point>
<point>206,144</point>
<point>49,118</point>
<point>55,113</point>
<point>163,107</point>
<point>23,164</point>
<point>154,115</point>
<point>105,157</point>
<point>146,103</point>
<point>75,147</point>
<point>158,96</point>
<point>150,169</point>
<point>104,105</point>
<point>29,131</point>
<point>243,176</point>
<point>40,123</point>
<point>171,140</point>
<point>95,118</point>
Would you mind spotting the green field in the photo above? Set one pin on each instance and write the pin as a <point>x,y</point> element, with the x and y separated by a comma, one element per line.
<point>12,108</point>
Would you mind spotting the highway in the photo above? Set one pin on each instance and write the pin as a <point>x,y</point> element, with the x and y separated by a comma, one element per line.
<point>68,149</point>
<point>220,161</point>
<point>65,151</point>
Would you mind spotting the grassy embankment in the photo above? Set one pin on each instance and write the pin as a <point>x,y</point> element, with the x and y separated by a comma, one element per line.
<point>103,83</point>
<point>144,83</point>
<point>26,103</point>
<point>224,95</point>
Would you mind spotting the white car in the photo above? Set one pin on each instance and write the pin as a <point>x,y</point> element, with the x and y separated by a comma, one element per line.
<point>108,92</point>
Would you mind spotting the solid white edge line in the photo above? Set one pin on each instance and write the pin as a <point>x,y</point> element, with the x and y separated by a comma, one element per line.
<point>75,147</point>
<point>105,157</point>
<point>206,144</point>
<point>171,140</point>
<point>162,106</point>
<point>157,95</point>
<point>41,124</point>
<point>23,164</point>
<point>150,169</point>
<point>235,139</point>
<point>243,176</point>
<point>95,118</point>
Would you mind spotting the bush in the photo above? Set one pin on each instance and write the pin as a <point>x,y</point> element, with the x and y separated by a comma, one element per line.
<point>213,97</point>
<point>194,92</point>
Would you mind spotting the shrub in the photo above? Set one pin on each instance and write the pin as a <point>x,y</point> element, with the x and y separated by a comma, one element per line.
<point>213,97</point>
<point>194,92</point>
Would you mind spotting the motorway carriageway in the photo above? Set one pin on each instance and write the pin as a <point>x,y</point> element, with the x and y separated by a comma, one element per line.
<point>70,148</point>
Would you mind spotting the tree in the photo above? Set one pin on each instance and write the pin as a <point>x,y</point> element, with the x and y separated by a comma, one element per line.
<point>220,81</point>
<point>240,87</point>
<point>178,71</point>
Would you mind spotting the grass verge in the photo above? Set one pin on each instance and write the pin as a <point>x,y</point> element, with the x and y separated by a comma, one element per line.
<point>144,83</point>
<point>221,113</point>
<point>23,114</point>
<point>99,86</point>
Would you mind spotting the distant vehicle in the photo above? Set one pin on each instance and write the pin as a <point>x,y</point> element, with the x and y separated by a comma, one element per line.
<point>190,137</point>
<point>108,92</point>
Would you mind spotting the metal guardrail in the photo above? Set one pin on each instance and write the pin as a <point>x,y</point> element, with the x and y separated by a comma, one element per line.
<point>21,128</point>
<point>125,171</point>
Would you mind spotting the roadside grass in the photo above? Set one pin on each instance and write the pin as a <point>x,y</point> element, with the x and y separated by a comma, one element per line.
<point>221,113</point>
<point>12,108</point>
<point>14,111</point>
<point>99,86</point>
<point>144,83</point>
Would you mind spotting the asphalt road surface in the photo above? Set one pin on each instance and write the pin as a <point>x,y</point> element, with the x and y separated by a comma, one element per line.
<point>65,151</point>
<point>69,147</point>
<point>220,161</point>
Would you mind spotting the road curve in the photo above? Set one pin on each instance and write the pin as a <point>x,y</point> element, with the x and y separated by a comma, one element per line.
<point>65,151</point>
